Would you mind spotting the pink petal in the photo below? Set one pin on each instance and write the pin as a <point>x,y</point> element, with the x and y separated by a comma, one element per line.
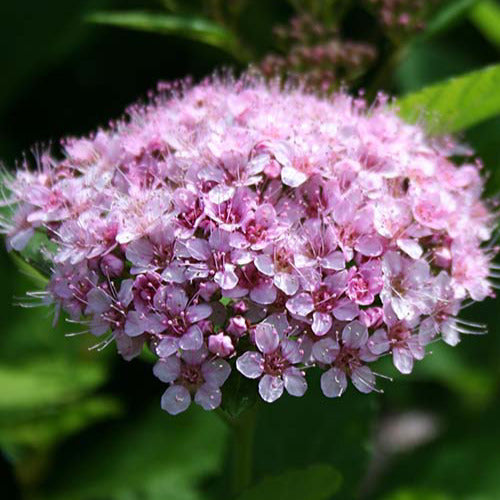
<point>198,312</point>
<point>333,383</point>
<point>125,294</point>
<point>346,310</point>
<point>325,350</point>
<point>301,304</point>
<point>226,279</point>
<point>168,370</point>
<point>450,334</point>
<point>129,347</point>
<point>403,359</point>
<point>266,338</point>
<point>410,247</point>
<point>198,249</point>
<point>264,264</point>
<point>378,343</point>
<point>322,322</point>
<point>140,252</point>
<point>295,383</point>
<point>292,177</point>
<point>98,301</point>
<point>135,324</point>
<point>291,351</point>
<point>208,397</point>
<point>363,379</point>
<point>250,364</point>
<point>271,388</point>
<point>175,399</point>
<point>370,246</point>
<point>174,273</point>
<point>99,326</point>
<point>167,346</point>
<point>287,283</point>
<point>334,261</point>
<point>192,340</point>
<point>355,335</point>
<point>216,371</point>
<point>264,293</point>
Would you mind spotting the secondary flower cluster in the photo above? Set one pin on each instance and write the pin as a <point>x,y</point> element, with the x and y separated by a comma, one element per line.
<point>317,53</point>
<point>235,225</point>
<point>404,16</point>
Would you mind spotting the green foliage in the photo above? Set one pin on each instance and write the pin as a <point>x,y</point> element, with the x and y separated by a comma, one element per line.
<point>240,394</point>
<point>38,384</point>
<point>462,465</point>
<point>56,22</point>
<point>151,456</point>
<point>42,427</point>
<point>451,14</point>
<point>474,385</point>
<point>317,482</point>
<point>297,432</point>
<point>417,495</point>
<point>457,103</point>
<point>486,17</point>
<point>195,28</point>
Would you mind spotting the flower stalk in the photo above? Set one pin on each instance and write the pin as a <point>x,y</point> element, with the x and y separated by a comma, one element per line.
<point>243,436</point>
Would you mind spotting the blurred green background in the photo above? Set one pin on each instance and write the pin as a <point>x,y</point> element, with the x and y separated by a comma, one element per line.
<point>83,424</point>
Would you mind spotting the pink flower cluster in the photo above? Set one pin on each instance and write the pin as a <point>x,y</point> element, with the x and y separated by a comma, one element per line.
<point>235,225</point>
<point>406,16</point>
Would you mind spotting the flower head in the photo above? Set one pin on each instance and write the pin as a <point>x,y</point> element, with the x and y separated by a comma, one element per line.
<point>235,224</point>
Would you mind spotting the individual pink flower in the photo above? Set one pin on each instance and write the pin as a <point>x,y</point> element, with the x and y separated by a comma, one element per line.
<point>348,357</point>
<point>193,373</point>
<point>274,364</point>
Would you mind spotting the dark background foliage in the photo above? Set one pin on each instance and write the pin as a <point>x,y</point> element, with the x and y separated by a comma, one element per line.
<point>83,424</point>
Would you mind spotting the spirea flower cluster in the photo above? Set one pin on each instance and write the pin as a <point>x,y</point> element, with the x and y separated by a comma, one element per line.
<point>317,53</point>
<point>236,225</point>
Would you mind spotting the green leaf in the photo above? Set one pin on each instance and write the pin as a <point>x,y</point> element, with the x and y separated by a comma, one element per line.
<point>407,494</point>
<point>317,482</point>
<point>41,429</point>
<point>475,385</point>
<point>199,29</point>
<point>297,432</point>
<point>444,19</point>
<point>48,382</point>
<point>150,456</point>
<point>486,17</point>
<point>239,394</point>
<point>457,103</point>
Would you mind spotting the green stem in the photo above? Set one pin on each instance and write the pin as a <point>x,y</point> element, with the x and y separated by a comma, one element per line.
<point>243,444</point>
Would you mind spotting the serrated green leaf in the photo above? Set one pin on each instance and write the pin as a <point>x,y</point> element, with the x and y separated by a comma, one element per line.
<point>455,104</point>
<point>195,28</point>
<point>486,17</point>
<point>317,482</point>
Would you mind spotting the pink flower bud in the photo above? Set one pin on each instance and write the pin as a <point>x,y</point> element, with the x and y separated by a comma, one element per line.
<point>237,326</point>
<point>220,344</point>
<point>111,265</point>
